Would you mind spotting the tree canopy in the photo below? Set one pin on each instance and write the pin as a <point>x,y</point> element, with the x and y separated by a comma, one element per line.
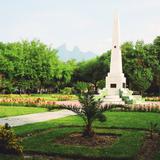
<point>32,66</point>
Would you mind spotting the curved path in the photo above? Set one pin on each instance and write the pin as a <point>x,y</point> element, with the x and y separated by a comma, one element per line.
<point>33,118</point>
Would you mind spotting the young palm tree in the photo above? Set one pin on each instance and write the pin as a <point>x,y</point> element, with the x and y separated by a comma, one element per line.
<point>90,110</point>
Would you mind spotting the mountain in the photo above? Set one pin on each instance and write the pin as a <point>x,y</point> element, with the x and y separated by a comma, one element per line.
<point>65,54</point>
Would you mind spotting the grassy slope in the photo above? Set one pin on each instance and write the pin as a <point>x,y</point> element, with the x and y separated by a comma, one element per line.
<point>6,111</point>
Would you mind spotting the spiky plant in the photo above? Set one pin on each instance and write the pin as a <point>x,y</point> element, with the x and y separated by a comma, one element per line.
<point>153,127</point>
<point>90,110</point>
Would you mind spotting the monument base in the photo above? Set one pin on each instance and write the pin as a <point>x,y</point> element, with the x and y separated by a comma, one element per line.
<point>115,82</point>
<point>113,100</point>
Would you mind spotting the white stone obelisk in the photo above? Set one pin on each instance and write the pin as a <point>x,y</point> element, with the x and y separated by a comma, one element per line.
<point>115,79</point>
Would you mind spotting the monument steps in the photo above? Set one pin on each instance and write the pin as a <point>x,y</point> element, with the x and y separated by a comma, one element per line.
<point>115,99</point>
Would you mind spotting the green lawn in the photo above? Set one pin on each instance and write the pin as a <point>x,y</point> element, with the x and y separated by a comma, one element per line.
<point>131,126</point>
<point>135,120</point>
<point>127,145</point>
<point>6,111</point>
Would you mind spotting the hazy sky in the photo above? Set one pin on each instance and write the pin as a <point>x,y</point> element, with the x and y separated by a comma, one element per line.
<point>83,23</point>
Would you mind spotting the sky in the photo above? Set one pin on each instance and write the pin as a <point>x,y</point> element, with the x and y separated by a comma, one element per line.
<point>83,23</point>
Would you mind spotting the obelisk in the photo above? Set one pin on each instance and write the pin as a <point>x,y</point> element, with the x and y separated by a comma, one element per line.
<point>115,79</point>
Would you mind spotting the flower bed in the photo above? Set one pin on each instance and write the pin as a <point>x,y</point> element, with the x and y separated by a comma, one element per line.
<point>48,97</point>
<point>28,102</point>
<point>152,99</point>
<point>63,97</point>
<point>146,107</point>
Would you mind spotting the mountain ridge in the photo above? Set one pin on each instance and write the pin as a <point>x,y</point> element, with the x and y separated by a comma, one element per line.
<point>65,54</point>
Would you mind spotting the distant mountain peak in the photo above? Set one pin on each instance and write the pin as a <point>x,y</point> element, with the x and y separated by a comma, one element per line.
<point>63,46</point>
<point>76,53</point>
<point>76,49</point>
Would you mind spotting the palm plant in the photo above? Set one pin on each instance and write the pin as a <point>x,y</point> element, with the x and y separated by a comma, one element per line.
<point>153,127</point>
<point>90,110</point>
<point>82,87</point>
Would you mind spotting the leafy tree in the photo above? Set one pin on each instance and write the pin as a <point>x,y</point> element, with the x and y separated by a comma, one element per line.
<point>64,73</point>
<point>93,70</point>
<point>138,65</point>
<point>142,79</point>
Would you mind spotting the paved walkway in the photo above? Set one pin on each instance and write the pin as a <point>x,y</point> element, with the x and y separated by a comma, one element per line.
<point>33,118</point>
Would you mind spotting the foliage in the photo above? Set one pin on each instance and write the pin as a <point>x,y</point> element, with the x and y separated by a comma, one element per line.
<point>82,87</point>
<point>33,67</point>
<point>90,110</point>
<point>93,70</point>
<point>9,143</point>
<point>153,127</point>
<point>140,65</point>
<point>152,99</point>
<point>101,84</point>
<point>27,67</point>
<point>66,90</point>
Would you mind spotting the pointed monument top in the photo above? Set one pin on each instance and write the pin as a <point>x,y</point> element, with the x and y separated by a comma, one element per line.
<point>116,58</point>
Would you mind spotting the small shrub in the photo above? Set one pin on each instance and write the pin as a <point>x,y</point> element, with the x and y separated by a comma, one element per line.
<point>52,107</point>
<point>66,90</point>
<point>9,143</point>
<point>82,87</point>
<point>101,84</point>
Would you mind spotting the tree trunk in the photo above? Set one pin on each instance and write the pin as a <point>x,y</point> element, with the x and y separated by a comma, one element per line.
<point>95,88</point>
<point>88,132</point>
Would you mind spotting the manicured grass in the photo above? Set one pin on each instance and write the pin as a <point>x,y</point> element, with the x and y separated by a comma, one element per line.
<point>126,147</point>
<point>9,157</point>
<point>6,111</point>
<point>136,120</point>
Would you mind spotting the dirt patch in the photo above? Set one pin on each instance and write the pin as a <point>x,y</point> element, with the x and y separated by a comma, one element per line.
<point>99,140</point>
<point>149,148</point>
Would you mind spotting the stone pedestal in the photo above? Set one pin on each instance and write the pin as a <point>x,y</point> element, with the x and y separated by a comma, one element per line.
<point>114,83</point>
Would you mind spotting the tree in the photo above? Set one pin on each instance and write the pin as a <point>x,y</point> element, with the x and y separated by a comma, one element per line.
<point>139,64</point>
<point>156,52</point>
<point>28,66</point>
<point>93,70</point>
<point>64,73</point>
<point>142,78</point>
